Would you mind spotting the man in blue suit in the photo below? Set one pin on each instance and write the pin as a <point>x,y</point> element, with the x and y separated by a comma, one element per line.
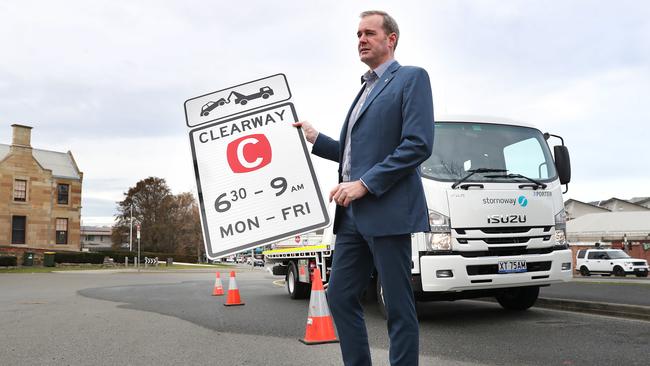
<point>387,134</point>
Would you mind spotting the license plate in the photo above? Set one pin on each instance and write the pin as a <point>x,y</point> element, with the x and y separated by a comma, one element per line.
<point>516,266</point>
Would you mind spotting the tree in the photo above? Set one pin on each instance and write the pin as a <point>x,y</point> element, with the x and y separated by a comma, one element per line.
<point>169,223</point>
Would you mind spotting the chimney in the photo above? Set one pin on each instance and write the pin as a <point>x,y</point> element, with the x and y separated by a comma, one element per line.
<point>22,135</point>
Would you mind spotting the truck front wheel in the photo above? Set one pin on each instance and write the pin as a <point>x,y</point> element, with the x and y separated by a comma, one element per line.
<point>295,288</point>
<point>518,298</point>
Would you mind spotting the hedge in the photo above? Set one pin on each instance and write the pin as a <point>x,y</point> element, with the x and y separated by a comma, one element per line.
<point>79,257</point>
<point>118,257</point>
<point>8,261</point>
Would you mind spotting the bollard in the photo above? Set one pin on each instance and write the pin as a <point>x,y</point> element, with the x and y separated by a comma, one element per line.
<point>126,262</point>
<point>145,262</point>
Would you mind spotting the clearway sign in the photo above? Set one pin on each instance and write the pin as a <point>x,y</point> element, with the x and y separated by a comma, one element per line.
<point>255,180</point>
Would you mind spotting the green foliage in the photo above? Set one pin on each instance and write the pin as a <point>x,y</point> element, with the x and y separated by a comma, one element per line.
<point>169,223</point>
<point>8,261</point>
<point>79,257</point>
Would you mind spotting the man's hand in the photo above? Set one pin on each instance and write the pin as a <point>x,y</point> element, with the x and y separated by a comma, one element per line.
<point>346,192</point>
<point>310,132</point>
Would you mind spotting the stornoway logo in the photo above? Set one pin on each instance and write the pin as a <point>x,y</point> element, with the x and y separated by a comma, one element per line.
<point>521,200</point>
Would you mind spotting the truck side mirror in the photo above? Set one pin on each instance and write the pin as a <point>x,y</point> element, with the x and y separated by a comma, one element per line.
<point>562,163</point>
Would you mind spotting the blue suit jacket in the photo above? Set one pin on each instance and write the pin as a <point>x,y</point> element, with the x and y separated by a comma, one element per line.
<point>392,136</point>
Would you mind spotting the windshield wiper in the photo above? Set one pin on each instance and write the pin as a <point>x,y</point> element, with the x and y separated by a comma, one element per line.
<point>474,171</point>
<point>537,184</point>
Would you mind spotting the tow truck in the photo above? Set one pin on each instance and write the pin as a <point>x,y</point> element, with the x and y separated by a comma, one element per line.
<point>264,93</point>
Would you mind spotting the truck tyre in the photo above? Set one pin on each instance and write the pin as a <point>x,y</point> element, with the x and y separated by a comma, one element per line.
<point>265,96</point>
<point>584,271</point>
<point>295,288</point>
<point>380,299</point>
<point>243,102</point>
<point>619,272</point>
<point>518,298</point>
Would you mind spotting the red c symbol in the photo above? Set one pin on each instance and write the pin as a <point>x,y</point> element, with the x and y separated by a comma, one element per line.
<point>249,153</point>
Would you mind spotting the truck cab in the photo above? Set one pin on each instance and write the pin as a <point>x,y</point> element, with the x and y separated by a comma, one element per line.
<point>498,226</point>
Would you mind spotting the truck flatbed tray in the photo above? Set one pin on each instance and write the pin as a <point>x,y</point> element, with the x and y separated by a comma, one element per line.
<point>296,252</point>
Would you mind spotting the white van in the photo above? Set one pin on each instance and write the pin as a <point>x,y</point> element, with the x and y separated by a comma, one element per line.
<point>609,262</point>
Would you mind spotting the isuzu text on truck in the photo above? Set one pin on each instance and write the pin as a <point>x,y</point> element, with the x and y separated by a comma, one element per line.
<point>498,228</point>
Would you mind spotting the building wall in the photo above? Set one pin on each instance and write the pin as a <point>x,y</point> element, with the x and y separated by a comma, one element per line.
<point>40,208</point>
<point>96,238</point>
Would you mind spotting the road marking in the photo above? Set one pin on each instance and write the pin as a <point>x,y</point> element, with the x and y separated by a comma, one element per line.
<point>279,283</point>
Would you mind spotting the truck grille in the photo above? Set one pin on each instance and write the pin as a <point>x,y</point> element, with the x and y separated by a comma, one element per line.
<point>503,235</point>
<point>505,230</point>
<point>504,251</point>
<point>487,269</point>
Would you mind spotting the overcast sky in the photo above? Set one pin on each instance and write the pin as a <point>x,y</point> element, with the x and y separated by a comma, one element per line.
<point>108,79</point>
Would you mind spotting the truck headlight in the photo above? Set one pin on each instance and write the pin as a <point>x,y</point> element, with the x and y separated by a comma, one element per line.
<point>560,230</point>
<point>440,236</point>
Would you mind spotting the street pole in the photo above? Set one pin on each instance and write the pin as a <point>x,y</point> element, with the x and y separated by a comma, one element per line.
<point>131,231</point>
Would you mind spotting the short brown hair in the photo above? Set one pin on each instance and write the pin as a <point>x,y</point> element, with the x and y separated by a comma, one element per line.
<point>389,24</point>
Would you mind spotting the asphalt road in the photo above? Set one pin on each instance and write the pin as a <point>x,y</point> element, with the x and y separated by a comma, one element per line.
<point>628,290</point>
<point>170,318</point>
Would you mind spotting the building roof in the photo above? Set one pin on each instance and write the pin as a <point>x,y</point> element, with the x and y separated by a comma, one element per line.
<point>61,164</point>
<point>607,223</point>
<point>643,201</point>
<point>571,200</point>
<point>96,230</point>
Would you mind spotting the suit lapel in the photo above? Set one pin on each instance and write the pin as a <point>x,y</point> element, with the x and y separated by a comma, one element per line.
<point>381,84</point>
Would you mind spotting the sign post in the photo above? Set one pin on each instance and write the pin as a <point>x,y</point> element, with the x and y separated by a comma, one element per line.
<point>138,237</point>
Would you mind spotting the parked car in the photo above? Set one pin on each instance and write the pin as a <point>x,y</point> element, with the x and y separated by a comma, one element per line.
<point>258,263</point>
<point>609,262</point>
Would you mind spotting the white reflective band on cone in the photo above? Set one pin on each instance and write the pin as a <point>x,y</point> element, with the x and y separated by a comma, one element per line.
<point>318,304</point>
<point>232,285</point>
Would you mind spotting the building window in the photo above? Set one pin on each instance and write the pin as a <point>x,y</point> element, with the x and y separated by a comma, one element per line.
<point>62,231</point>
<point>20,190</point>
<point>18,224</point>
<point>62,193</point>
<point>90,237</point>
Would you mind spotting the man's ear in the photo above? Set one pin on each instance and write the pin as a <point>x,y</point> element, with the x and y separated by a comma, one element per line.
<point>392,39</point>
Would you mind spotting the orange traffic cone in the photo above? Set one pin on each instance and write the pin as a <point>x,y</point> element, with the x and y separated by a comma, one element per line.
<point>320,326</point>
<point>233,292</point>
<point>218,287</point>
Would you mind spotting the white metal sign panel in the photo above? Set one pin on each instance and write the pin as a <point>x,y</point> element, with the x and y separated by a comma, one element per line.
<point>256,182</point>
<point>236,100</point>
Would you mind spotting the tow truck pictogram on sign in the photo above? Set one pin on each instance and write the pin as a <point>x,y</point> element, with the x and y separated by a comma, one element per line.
<point>264,93</point>
<point>237,100</point>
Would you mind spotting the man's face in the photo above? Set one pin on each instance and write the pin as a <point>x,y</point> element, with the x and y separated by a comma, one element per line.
<point>375,46</point>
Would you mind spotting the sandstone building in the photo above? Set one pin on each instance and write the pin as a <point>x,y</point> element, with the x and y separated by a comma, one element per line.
<point>40,196</point>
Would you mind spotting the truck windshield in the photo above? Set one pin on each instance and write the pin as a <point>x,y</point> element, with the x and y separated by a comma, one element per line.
<point>462,146</point>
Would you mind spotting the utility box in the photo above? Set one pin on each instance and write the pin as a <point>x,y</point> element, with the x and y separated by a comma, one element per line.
<point>28,259</point>
<point>48,259</point>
